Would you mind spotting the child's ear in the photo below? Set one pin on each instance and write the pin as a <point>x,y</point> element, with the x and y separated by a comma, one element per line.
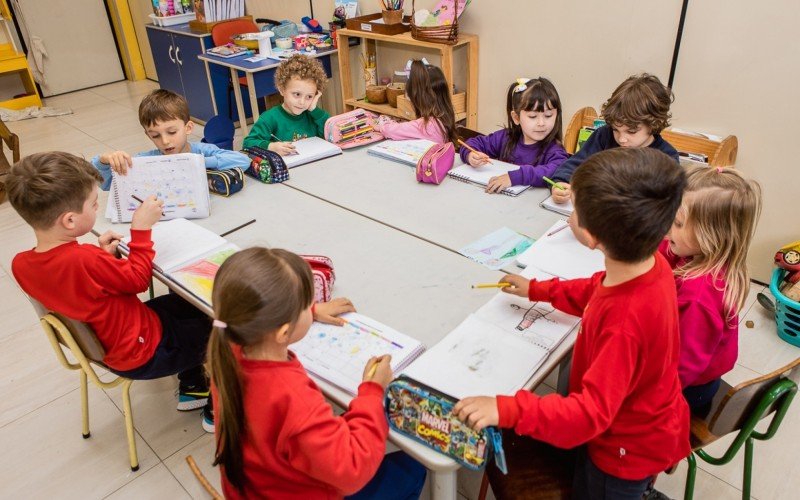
<point>66,220</point>
<point>282,336</point>
<point>515,117</point>
<point>189,127</point>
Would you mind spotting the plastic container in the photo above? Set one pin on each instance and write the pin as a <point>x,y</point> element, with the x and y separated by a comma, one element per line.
<point>172,20</point>
<point>787,311</point>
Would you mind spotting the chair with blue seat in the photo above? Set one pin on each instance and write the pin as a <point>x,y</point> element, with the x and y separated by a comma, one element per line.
<point>219,131</point>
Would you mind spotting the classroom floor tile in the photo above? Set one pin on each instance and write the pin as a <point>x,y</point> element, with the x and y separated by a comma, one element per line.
<point>157,483</point>
<point>202,450</point>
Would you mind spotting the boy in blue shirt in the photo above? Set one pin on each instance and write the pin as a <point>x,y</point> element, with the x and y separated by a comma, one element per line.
<point>165,118</point>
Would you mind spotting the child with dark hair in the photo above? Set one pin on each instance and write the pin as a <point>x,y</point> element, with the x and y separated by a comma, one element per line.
<point>624,408</point>
<point>635,115</point>
<point>429,93</point>
<point>532,138</point>
<point>164,115</point>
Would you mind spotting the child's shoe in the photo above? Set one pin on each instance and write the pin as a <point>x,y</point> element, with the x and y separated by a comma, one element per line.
<point>192,397</point>
<point>208,418</point>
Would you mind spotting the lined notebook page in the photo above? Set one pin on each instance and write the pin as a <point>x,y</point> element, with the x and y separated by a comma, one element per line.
<point>481,175</point>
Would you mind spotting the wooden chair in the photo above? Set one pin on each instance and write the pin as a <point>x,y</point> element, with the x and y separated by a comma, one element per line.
<point>12,141</point>
<point>739,409</point>
<point>221,34</point>
<point>84,346</point>
<point>719,153</point>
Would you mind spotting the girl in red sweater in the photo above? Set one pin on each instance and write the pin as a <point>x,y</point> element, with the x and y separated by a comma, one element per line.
<point>276,435</point>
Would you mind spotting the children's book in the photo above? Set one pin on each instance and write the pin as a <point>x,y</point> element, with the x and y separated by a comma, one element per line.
<point>408,151</point>
<point>189,254</point>
<point>480,175</point>
<point>495,350</point>
<point>311,149</point>
<point>339,354</point>
<point>497,249</point>
<point>559,208</point>
<point>228,50</point>
<point>178,180</point>
<point>559,253</point>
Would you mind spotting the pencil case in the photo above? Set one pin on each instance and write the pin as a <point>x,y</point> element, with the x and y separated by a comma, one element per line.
<point>225,182</point>
<point>265,165</point>
<point>426,415</point>
<point>351,129</point>
<point>324,276</point>
<point>432,168</point>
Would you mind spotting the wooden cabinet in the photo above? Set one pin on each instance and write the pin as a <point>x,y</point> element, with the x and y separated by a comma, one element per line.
<point>465,103</point>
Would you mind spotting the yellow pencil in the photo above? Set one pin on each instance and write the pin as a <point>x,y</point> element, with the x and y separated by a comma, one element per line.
<point>492,285</point>
<point>374,368</point>
<point>473,150</point>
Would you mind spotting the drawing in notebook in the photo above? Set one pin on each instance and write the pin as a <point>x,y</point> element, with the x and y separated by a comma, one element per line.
<point>480,176</point>
<point>339,354</point>
<point>198,276</point>
<point>407,151</point>
<point>561,254</point>
<point>310,149</point>
<point>178,180</point>
<point>497,249</point>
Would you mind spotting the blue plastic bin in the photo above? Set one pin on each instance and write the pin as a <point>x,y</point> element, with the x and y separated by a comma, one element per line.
<point>787,311</point>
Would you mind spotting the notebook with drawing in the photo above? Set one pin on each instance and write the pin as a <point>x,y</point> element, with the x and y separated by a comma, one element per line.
<point>311,149</point>
<point>562,255</point>
<point>559,208</point>
<point>339,354</point>
<point>408,151</point>
<point>189,254</point>
<point>178,180</point>
<point>495,350</point>
<point>480,175</point>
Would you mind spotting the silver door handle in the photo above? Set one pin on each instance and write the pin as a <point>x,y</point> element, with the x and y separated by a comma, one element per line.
<point>177,55</point>
<point>170,54</point>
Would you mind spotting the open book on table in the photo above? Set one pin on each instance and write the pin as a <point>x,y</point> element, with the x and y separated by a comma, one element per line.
<point>178,180</point>
<point>310,149</point>
<point>559,253</point>
<point>339,354</point>
<point>480,176</point>
<point>190,255</point>
<point>407,151</point>
<point>496,350</point>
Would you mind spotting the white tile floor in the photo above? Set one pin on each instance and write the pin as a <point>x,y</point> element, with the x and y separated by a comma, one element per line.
<point>43,454</point>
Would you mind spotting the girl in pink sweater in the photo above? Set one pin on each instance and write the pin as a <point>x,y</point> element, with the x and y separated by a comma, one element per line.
<point>429,93</point>
<point>707,249</point>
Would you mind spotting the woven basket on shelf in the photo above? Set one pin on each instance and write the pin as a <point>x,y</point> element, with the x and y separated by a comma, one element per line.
<point>447,34</point>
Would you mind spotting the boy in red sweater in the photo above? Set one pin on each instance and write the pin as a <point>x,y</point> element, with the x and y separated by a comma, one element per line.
<point>624,400</point>
<point>56,193</point>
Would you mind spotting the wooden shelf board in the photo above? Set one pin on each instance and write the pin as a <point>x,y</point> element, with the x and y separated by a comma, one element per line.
<point>386,109</point>
<point>406,39</point>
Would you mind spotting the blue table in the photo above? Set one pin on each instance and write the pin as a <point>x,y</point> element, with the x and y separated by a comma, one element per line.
<point>260,77</point>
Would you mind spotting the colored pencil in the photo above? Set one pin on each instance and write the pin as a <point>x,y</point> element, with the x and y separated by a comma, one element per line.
<point>374,368</point>
<point>554,231</point>
<point>137,198</point>
<point>502,284</point>
<point>553,183</point>
<point>473,150</point>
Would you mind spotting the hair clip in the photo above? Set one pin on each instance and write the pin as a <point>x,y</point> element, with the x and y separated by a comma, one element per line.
<point>522,84</point>
<point>407,71</point>
<point>719,170</point>
<point>219,324</point>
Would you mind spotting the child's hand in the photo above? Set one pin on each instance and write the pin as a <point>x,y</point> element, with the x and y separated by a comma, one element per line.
<point>478,412</point>
<point>147,214</point>
<point>519,285</point>
<point>119,161</point>
<point>383,371</point>
<point>561,195</point>
<point>327,312</point>
<point>315,101</point>
<point>478,159</point>
<point>283,148</point>
<point>109,241</point>
<point>498,183</point>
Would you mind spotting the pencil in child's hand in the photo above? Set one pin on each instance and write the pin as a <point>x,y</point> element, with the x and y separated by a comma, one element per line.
<point>553,183</point>
<point>374,367</point>
<point>474,150</point>
<point>502,284</point>
<point>137,198</point>
<point>276,138</point>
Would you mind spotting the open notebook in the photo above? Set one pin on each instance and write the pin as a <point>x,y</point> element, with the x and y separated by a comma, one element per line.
<point>178,180</point>
<point>311,149</point>
<point>480,175</point>
<point>563,208</point>
<point>339,354</point>
<point>190,255</point>
<point>408,151</point>
<point>495,350</point>
<point>562,255</point>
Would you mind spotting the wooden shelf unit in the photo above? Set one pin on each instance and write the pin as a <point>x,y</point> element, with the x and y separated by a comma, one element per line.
<point>12,61</point>
<point>465,103</point>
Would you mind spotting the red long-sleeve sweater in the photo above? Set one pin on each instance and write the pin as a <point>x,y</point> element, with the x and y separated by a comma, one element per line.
<point>624,397</point>
<point>86,283</point>
<point>294,447</point>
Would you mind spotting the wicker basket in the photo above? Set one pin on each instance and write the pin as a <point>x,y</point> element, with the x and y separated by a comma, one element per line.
<point>439,34</point>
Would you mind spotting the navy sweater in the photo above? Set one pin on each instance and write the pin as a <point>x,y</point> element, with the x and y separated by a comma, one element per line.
<point>600,140</point>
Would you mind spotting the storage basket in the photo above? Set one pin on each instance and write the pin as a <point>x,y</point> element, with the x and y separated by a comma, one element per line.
<point>447,34</point>
<point>787,311</point>
<point>172,20</point>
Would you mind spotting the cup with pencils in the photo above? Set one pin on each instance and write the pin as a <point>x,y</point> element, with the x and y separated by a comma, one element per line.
<point>392,11</point>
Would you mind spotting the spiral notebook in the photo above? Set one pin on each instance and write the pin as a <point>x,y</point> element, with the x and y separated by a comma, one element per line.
<point>178,180</point>
<point>495,350</point>
<point>480,175</point>
<point>407,151</point>
<point>560,208</point>
<point>339,354</point>
<point>310,149</point>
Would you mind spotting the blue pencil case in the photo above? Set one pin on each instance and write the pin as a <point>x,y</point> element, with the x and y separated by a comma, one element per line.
<point>426,415</point>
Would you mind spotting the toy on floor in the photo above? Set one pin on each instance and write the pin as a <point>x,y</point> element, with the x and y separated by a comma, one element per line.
<point>788,258</point>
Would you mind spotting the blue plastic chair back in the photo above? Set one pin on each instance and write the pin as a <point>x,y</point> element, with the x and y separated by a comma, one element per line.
<point>219,131</point>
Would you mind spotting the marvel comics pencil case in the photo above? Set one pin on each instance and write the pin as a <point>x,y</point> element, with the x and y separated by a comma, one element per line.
<point>426,415</point>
